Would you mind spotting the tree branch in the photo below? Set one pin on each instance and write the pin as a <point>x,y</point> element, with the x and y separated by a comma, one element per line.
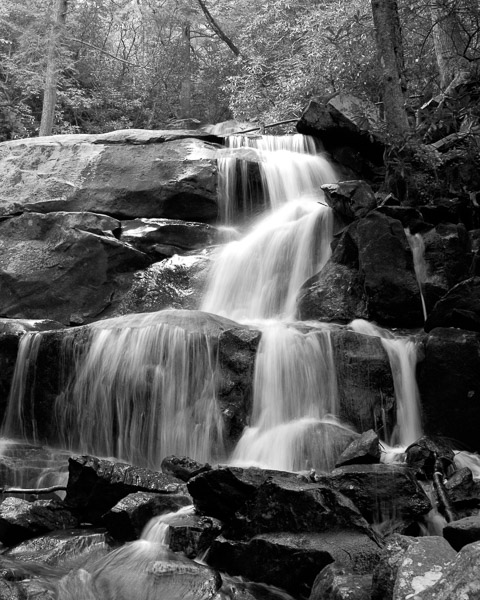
<point>216,28</point>
<point>122,60</point>
<point>48,490</point>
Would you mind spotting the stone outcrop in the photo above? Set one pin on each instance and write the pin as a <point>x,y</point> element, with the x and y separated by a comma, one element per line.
<point>126,174</point>
<point>61,265</point>
<point>449,385</point>
<point>459,308</point>
<point>350,199</point>
<point>375,279</point>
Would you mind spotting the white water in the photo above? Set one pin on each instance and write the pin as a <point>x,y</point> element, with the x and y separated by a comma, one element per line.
<point>402,354</point>
<point>417,245</point>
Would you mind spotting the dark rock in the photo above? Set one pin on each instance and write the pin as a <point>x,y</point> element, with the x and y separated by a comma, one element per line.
<point>11,331</point>
<point>292,561</point>
<point>140,175</point>
<point>220,493</point>
<point>463,491</point>
<point>289,504</point>
<point>450,387</point>
<point>365,384</point>
<point>411,218</point>
<point>54,266</point>
<point>447,210</point>
<point>126,520</point>
<point>350,199</point>
<point>333,295</point>
<point>95,485</point>
<point>459,579</point>
<point>346,126</point>
<point>192,534</point>
<point>167,236</point>
<point>57,548</point>
<point>380,276</point>
<point>422,455</point>
<point>20,520</point>
<point>381,491</point>
<point>183,467</point>
<point>364,450</point>
<point>407,565</point>
<point>462,532</point>
<point>474,236</point>
<point>459,308</point>
<point>337,583</point>
<point>447,260</point>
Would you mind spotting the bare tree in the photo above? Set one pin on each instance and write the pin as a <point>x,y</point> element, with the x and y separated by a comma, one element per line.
<point>390,54</point>
<point>51,78</point>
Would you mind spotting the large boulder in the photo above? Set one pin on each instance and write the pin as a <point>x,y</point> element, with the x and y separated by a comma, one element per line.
<point>350,199</point>
<point>61,265</point>
<point>375,254</point>
<point>348,129</point>
<point>459,308</point>
<point>126,174</point>
<point>450,387</point>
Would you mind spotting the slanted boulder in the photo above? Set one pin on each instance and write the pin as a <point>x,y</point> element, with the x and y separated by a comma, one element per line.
<point>449,386</point>
<point>459,308</point>
<point>462,532</point>
<point>95,485</point>
<point>374,254</point>
<point>408,565</point>
<point>191,533</point>
<point>126,174</point>
<point>350,199</point>
<point>21,520</point>
<point>63,266</point>
<point>364,450</point>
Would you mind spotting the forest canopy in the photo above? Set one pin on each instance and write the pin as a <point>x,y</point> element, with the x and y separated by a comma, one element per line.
<point>154,63</point>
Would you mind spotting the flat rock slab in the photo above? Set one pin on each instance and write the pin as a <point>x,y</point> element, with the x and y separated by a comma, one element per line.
<point>96,485</point>
<point>20,520</point>
<point>292,561</point>
<point>122,174</point>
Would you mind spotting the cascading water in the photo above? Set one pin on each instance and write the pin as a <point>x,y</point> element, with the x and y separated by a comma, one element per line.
<point>402,354</point>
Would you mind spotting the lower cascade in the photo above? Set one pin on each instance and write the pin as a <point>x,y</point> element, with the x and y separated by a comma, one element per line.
<point>313,428</point>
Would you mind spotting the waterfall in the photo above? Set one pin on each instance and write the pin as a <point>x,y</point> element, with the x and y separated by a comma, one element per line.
<point>417,246</point>
<point>402,354</point>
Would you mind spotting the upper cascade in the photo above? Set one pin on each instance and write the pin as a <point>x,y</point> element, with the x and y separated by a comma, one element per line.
<point>258,277</point>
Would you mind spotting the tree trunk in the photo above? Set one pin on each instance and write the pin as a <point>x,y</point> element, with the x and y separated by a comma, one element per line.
<point>50,91</point>
<point>449,42</point>
<point>390,54</point>
<point>186,86</point>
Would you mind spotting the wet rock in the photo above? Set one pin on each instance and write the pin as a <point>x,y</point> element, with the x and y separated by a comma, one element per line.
<point>337,583</point>
<point>333,295</point>
<point>95,485</point>
<point>421,456</point>
<point>462,532</point>
<point>192,534</point>
<point>167,237</point>
<point>450,387</point>
<point>463,491</point>
<point>288,504</point>
<point>447,259</point>
<point>365,384</point>
<point>292,561</point>
<point>380,276</point>
<point>11,331</point>
<point>459,579</point>
<point>381,491</point>
<point>140,175</point>
<point>350,199</point>
<point>447,210</point>
<point>177,282</point>
<point>58,547</point>
<point>364,450</point>
<point>183,467</point>
<point>20,520</point>
<point>126,520</point>
<point>410,218</point>
<point>345,125</point>
<point>458,308</point>
<point>55,266</point>
<point>220,492</point>
<point>407,565</point>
